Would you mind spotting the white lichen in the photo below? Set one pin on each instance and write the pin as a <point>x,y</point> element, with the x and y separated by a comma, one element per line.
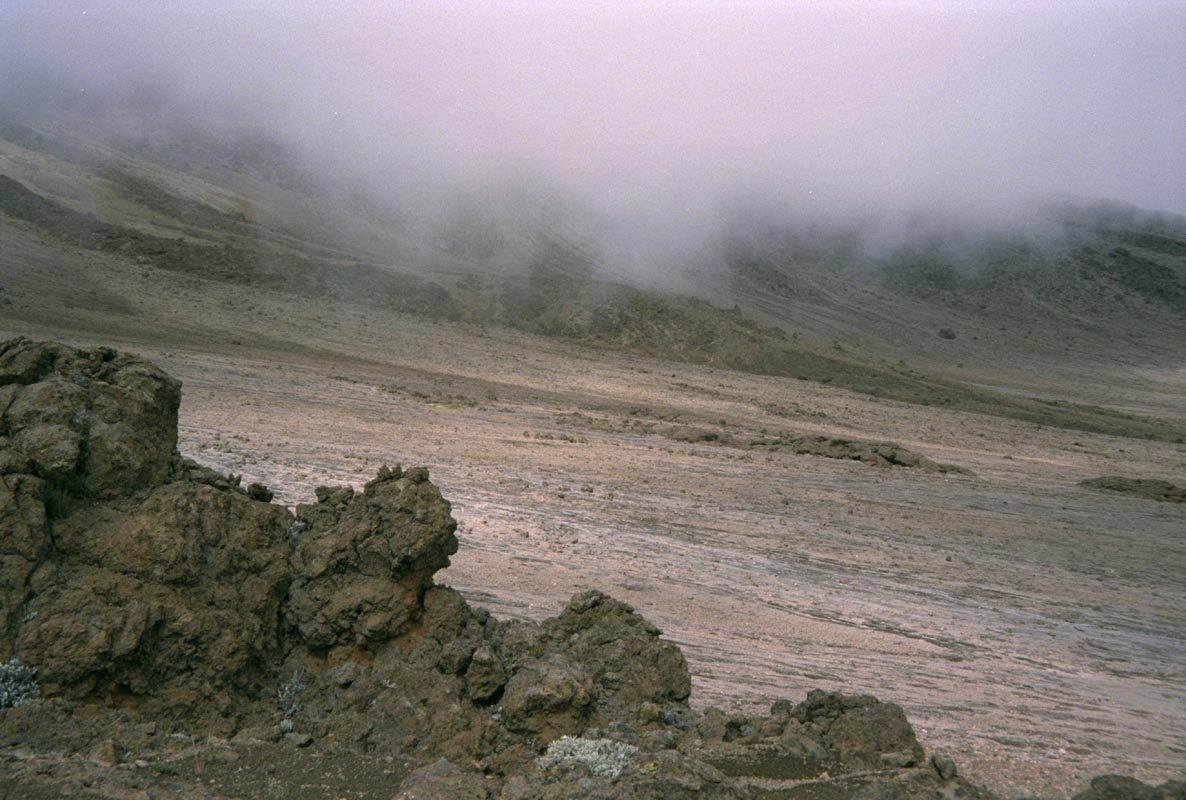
<point>604,758</point>
<point>18,684</point>
<point>287,696</point>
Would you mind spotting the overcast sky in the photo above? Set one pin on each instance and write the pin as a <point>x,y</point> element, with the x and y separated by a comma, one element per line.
<point>671,104</point>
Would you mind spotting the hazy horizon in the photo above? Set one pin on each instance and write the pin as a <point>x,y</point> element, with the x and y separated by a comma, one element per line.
<point>663,110</point>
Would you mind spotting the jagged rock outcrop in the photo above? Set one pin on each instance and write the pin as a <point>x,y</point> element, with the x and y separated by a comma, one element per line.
<point>597,662</point>
<point>362,563</point>
<point>878,454</point>
<point>92,422</point>
<point>132,578</point>
<point>120,576</point>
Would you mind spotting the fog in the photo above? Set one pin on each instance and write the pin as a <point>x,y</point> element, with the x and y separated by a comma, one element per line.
<point>657,116</point>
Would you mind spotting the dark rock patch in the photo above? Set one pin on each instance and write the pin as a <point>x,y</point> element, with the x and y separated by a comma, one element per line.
<point>1148,488</point>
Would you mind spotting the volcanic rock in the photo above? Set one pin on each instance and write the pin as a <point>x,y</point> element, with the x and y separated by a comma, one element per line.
<point>1148,488</point>
<point>93,422</point>
<point>155,596</point>
<point>362,562</point>
<point>1121,787</point>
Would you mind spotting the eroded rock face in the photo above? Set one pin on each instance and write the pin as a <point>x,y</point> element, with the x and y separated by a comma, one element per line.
<point>177,590</point>
<point>361,563</point>
<point>93,422</point>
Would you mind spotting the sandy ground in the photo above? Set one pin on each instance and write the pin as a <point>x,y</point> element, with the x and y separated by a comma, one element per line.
<point>1033,629</point>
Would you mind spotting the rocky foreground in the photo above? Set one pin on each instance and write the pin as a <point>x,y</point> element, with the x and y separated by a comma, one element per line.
<point>147,601</point>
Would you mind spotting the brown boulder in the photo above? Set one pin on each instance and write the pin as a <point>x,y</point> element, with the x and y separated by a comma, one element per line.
<point>362,563</point>
<point>621,652</point>
<point>180,587</point>
<point>548,697</point>
<point>90,421</point>
<point>859,731</point>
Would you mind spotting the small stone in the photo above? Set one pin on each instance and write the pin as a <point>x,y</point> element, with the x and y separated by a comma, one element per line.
<point>901,758</point>
<point>255,735</point>
<point>662,739</point>
<point>298,739</point>
<point>286,726</point>
<point>417,474</point>
<point>945,766</point>
<point>344,674</point>
<point>105,754</point>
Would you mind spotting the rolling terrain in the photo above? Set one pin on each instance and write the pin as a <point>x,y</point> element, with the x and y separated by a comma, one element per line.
<point>595,429</point>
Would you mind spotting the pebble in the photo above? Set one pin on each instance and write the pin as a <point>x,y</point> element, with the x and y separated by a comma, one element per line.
<point>298,739</point>
<point>105,754</point>
<point>902,758</point>
<point>945,766</point>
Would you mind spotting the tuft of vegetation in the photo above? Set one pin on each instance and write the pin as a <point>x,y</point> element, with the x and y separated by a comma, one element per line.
<point>57,502</point>
<point>604,758</point>
<point>18,684</point>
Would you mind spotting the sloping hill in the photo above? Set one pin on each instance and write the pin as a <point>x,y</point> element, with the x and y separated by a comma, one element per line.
<point>816,304</point>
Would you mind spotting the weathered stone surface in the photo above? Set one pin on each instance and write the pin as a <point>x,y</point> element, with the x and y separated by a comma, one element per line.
<point>92,422</point>
<point>24,541</point>
<point>180,589</point>
<point>548,697</point>
<point>485,676</point>
<point>362,563</point>
<point>858,729</point>
<point>1122,787</point>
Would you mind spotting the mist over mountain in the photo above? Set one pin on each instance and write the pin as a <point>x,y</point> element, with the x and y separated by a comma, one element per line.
<point>823,187</point>
<point>642,128</point>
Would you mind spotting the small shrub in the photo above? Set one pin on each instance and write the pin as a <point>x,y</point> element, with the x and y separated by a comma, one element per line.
<point>18,684</point>
<point>604,758</point>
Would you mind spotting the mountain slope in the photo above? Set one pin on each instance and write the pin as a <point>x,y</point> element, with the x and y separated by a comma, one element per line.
<point>974,314</point>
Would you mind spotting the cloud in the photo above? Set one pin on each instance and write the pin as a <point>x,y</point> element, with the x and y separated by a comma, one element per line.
<point>666,108</point>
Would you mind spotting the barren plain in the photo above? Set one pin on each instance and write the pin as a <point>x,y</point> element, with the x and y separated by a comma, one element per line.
<point>1032,628</point>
